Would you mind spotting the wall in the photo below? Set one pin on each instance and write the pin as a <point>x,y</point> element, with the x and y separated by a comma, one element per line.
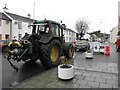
<point>5,28</point>
<point>70,36</point>
<point>16,30</point>
<point>113,35</point>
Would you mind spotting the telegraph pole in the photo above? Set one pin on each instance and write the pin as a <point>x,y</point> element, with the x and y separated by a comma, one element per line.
<point>33,11</point>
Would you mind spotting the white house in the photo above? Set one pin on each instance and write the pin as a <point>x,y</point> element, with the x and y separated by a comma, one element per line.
<point>12,25</point>
<point>113,34</point>
<point>70,35</point>
<point>19,25</point>
<point>5,27</point>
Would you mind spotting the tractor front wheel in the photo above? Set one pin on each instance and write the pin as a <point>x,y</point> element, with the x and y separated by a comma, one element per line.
<point>68,51</point>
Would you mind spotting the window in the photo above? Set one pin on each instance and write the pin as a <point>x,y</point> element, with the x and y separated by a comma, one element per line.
<point>66,32</point>
<point>7,36</point>
<point>7,22</point>
<point>19,25</point>
<point>0,36</point>
<point>0,22</point>
<point>66,38</point>
<point>69,38</point>
<point>69,32</point>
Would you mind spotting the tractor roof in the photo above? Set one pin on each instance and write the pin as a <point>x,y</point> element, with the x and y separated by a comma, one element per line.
<point>46,21</point>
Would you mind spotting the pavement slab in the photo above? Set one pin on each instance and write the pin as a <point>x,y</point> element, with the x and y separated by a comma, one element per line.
<point>102,85</point>
<point>100,80</point>
<point>79,81</point>
<point>93,84</point>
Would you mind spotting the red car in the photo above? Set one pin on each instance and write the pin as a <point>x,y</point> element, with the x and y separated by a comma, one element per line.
<point>118,44</point>
<point>3,44</point>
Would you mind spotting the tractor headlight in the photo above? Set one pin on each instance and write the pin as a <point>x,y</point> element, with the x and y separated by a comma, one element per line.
<point>26,42</point>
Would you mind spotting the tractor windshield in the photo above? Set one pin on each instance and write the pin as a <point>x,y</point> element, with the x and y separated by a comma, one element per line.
<point>46,29</point>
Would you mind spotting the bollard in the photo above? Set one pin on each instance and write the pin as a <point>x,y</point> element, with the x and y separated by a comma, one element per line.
<point>107,50</point>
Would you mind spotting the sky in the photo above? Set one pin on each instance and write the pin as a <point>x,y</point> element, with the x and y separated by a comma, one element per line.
<point>100,14</point>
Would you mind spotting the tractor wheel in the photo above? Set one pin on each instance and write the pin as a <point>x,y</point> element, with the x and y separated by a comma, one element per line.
<point>50,53</point>
<point>69,51</point>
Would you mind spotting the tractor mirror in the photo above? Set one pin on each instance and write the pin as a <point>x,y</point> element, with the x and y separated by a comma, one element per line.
<point>63,26</point>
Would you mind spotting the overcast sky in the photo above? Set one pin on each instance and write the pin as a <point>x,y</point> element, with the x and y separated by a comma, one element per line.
<point>99,13</point>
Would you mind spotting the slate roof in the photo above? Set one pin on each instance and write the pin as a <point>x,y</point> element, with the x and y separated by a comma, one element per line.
<point>4,17</point>
<point>19,18</point>
<point>70,30</point>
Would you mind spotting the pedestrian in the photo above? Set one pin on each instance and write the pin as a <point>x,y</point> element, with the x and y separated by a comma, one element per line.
<point>26,36</point>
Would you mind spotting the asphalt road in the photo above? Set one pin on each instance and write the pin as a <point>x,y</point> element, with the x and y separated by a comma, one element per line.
<point>112,58</point>
<point>11,77</point>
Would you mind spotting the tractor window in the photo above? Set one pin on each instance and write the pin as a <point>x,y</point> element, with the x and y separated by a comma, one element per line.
<point>40,30</point>
<point>55,29</point>
<point>34,29</point>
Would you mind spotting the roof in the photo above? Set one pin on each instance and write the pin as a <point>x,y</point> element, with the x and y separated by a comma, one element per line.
<point>19,18</point>
<point>46,21</point>
<point>70,30</point>
<point>4,17</point>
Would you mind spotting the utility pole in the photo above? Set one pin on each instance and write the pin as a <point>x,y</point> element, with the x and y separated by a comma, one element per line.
<point>33,11</point>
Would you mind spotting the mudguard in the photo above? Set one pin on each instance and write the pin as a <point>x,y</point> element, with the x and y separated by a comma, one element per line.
<point>14,42</point>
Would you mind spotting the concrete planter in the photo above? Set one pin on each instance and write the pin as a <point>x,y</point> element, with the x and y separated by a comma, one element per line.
<point>89,55</point>
<point>65,73</point>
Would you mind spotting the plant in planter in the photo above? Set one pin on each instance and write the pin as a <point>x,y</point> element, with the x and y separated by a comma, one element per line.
<point>65,70</point>
<point>89,54</point>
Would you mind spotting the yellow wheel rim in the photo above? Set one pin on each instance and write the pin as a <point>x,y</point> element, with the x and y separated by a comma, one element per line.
<point>71,51</point>
<point>54,54</point>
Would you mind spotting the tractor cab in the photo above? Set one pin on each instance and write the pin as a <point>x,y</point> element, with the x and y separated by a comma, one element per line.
<point>46,27</point>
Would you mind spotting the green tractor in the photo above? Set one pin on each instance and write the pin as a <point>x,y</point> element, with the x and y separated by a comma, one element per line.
<point>46,43</point>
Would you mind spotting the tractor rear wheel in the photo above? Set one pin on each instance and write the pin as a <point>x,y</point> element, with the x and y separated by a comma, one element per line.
<point>50,53</point>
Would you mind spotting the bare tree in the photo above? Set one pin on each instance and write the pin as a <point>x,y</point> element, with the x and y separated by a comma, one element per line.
<point>81,26</point>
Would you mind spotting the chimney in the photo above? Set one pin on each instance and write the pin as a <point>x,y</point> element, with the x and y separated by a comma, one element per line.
<point>29,16</point>
<point>5,8</point>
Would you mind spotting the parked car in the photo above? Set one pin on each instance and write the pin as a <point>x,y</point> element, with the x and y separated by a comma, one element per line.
<point>81,45</point>
<point>3,44</point>
<point>118,44</point>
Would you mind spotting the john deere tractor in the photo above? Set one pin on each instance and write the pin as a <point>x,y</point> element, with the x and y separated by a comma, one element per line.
<point>46,43</point>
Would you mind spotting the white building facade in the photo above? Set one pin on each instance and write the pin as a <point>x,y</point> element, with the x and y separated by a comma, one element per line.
<point>5,27</point>
<point>113,35</point>
<point>16,27</point>
<point>70,35</point>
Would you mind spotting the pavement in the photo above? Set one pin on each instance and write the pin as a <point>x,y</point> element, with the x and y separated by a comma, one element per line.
<point>99,72</point>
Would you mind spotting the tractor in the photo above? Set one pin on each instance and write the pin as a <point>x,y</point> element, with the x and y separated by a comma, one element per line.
<point>46,43</point>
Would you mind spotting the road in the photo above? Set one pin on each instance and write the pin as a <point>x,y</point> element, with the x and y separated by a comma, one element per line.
<point>113,58</point>
<point>11,77</point>
<point>100,62</point>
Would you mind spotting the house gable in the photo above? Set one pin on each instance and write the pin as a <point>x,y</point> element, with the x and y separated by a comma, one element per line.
<point>4,17</point>
<point>19,18</point>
